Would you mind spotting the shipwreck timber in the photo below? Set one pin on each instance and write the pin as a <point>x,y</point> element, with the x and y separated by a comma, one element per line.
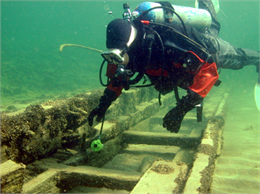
<point>46,148</point>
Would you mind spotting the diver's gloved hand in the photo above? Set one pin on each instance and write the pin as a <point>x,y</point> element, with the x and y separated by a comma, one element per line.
<point>172,120</point>
<point>99,111</point>
<point>104,103</point>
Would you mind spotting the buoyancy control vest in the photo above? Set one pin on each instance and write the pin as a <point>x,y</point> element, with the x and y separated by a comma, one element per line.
<point>174,57</point>
<point>164,42</point>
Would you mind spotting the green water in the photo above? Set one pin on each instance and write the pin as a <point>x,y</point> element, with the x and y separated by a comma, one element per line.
<point>32,68</point>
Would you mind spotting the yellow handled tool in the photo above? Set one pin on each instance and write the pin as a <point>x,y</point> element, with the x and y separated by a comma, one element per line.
<point>76,45</point>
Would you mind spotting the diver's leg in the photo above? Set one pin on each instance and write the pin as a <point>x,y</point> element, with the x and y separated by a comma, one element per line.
<point>208,5</point>
<point>230,57</point>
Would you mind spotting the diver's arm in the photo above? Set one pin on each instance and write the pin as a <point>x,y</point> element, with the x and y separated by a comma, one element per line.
<point>104,103</point>
<point>113,90</point>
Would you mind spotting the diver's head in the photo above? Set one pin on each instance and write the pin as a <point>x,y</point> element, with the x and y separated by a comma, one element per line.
<point>120,35</point>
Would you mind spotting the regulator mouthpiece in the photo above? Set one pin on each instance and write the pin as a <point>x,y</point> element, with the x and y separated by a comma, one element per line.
<point>96,145</point>
<point>114,56</point>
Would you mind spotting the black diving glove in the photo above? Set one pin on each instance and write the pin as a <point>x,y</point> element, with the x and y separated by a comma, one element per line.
<point>172,120</point>
<point>104,103</point>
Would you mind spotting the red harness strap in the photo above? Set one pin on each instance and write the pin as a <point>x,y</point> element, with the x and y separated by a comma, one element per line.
<point>111,70</point>
<point>205,77</point>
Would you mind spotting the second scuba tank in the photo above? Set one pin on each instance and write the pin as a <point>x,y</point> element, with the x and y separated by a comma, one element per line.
<point>197,18</point>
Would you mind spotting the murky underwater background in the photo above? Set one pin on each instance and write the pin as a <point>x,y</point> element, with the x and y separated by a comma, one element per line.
<point>33,69</point>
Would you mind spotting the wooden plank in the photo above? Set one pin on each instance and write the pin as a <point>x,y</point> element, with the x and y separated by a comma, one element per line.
<point>180,140</point>
<point>151,149</point>
<point>12,176</point>
<point>60,178</point>
<point>97,177</point>
<point>162,177</point>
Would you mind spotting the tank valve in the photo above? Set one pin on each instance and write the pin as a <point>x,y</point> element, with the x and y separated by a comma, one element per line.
<point>127,13</point>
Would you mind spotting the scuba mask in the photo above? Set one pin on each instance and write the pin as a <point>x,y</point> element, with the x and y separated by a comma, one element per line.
<point>115,56</point>
<point>118,47</point>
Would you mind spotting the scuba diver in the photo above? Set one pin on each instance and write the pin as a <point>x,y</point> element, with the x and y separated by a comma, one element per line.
<point>171,55</point>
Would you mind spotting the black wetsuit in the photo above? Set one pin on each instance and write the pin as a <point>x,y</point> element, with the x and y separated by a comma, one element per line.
<point>174,55</point>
